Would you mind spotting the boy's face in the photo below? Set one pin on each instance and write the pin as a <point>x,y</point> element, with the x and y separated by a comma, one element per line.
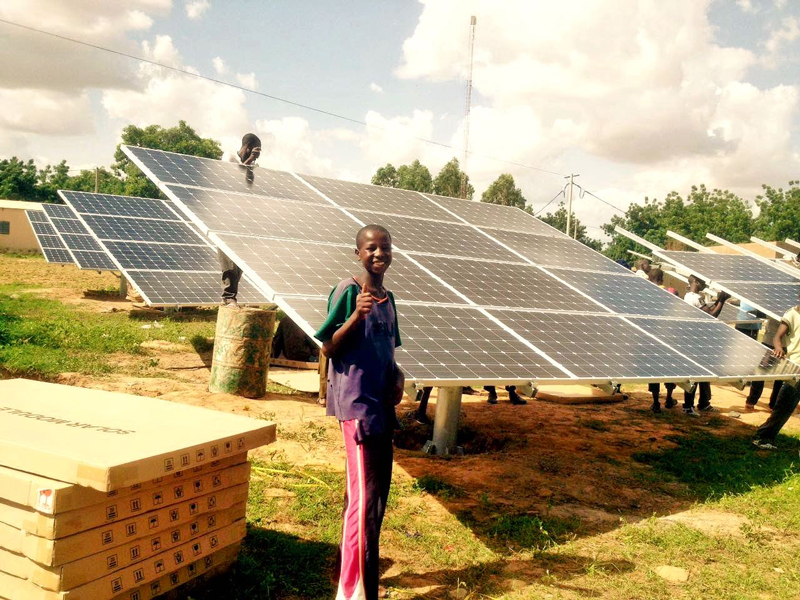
<point>375,252</point>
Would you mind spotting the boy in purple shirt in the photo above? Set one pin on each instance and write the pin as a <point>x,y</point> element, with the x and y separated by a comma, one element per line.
<point>364,385</point>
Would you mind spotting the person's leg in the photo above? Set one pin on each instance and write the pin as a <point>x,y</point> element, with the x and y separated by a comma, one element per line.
<point>705,397</point>
<point>773,397</point>
<point>513,396</point>
<point>353,546</point>
<point>655,390</point>
<point>492,394</point>
<point>688,399</point>
<point>784,407</point>
<point>756,389</point>
<point>421,414</point>
<point>230,277</point>
<point>670,402</point>
<point>378,454</point>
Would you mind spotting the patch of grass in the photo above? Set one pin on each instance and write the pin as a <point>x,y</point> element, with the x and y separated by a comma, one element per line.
<point>713,466</point>
<point>529,532</point>
<point>438,487</point>
<point>41,337</point>
<point>595,424</point>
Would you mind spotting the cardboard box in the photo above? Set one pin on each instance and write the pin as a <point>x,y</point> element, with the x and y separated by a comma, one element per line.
<point>59,551</point>
<point>106,441</point>
<point>17,588</point>
<point>118,509</point>
<point>76,573</point>
<point>50,496</point>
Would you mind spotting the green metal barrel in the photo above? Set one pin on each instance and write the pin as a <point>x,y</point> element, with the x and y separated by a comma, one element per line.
<point>242,349</point>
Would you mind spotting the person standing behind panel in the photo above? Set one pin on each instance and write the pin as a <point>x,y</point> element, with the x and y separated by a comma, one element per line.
<point>656,276</point>
<point>757,387</point>
<point>695,298</point>
<point>247,155</point>
<point>642,268</point>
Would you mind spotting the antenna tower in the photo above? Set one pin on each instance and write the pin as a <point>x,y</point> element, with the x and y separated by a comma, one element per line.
<point>467,104</point>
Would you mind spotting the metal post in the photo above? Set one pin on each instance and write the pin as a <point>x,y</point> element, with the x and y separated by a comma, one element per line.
<point>569,205</point>
<point>97,180</point>
<point>123,286</point>
<point>445,426</point>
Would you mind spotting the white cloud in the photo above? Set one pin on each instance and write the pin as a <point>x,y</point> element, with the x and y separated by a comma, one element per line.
<point>290,144</point>
<point>779,4</point>
<point>44,112</point>
<point>195,9</point>
<point>788,32</point>
<point>375,88</point>
<point>247,80</point>
<point>219,65</point>
<point>162,51</point>
<point>746,6</point>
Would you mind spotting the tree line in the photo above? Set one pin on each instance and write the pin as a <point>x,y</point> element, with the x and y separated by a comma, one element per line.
<point>702,211</point>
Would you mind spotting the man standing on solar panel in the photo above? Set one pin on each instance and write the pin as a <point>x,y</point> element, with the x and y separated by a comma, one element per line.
<point>695,297</point>
<point>247,156</point>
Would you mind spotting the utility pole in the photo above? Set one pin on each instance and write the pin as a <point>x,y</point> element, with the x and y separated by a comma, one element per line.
<point>468,104</point>
<point>568,231</point>
<point>97,180</point>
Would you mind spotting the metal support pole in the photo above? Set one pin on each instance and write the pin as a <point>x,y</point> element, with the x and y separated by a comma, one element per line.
<point>123,286</point>
<point>445,427</point>
<point>97,180</point>
<point>569,205</point>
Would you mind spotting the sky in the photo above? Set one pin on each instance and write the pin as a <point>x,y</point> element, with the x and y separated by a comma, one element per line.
<point>638,97</point>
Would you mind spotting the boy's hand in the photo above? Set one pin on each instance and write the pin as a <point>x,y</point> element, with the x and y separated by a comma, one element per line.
<point>363,305</point>
<point>778,352</point>
<point>723,297</point>
<point>399,382</point>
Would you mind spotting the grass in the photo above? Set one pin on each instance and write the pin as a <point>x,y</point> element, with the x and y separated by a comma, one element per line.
<point>41,337</point>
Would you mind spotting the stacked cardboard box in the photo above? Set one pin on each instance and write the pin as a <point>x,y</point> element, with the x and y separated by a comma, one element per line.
<point>106,495</point>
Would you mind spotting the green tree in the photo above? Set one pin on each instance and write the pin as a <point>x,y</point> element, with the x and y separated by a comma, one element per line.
<point>779,215</point>
<point>448,181</point>
<point>415,176</point>
<point>108,183</point>
<point>504,191</point>
<point>558,220</point>
<point>19,180</point>
<point>385,176</point>
<point>181,138</point>
<point>720,212</point>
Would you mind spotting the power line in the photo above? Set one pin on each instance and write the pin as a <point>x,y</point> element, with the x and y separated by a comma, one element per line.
<point>601,200</point>
<point>538,212</point>
<point>264,94</point>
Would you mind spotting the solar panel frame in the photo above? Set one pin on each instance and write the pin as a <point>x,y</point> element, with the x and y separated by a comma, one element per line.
<point>86,253</point>
<point>51,245</point>
<point>730,268</point>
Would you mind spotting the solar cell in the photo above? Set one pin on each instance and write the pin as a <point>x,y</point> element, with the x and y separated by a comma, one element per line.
<point>37,216</point>
<point>171,168</point>
<point>268,217</point>
<point>774,297</point>
<point>630,295</point>
<point>302,268</point>
<point>40,228</point>
<point>99,261</point>
<point>71,225</point>
<point>463,343</point>
<point>509,285</point>
<point>718,347</point>
<point>596,347</point>
<point>557,252</point>
<point>167,257</point>
<point>377,198</point>
<point>51,241</point>
<point>58,255</point>
<point>58,211</point>
<point>506,218</point>
<point>728,267</point>
<point>80,242</point>
<point>141,230</point>
<point>123,206</point>
<point>419,235</point>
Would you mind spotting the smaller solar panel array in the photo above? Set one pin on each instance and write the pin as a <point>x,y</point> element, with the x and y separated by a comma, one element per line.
<point>771,290</point>
<point>51,244</point>
<point>158,251</point>
<point>85,251</point>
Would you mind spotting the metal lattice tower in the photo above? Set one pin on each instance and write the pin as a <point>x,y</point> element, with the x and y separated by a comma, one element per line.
<point>467,104</point>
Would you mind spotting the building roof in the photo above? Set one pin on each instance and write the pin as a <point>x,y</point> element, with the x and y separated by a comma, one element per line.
<point>20,205</point>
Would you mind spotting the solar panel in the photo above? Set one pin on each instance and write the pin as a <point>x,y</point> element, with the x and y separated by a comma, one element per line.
<point>267,217</point>
<point>50,243</point>
<point>161,254</point>
<point>718,347</point>
<point>471,309</point>
<point>728,267</point>
<point>381,199</point>
<point>775,297</point>
<point>86,252</point>
<point>503,284</point>
<point>505,218</point>
<point>179,169</point>
<point>630,295</point>
<point>557,252</point>
<point>306,269</point>
<point>597,347</point>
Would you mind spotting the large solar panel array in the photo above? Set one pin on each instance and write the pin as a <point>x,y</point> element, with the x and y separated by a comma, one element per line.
<point>768,288</point>
<point>158,251</point>
<point>485,293</point>
<point>49,241</point>
<point>85,251</point>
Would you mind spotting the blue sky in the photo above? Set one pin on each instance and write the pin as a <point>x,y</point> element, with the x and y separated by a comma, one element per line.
<point>638,97</point>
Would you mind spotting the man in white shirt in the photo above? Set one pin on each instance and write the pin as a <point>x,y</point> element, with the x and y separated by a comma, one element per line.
<point>696,299</point>
<point>642,268</point>
<point>247,155</point>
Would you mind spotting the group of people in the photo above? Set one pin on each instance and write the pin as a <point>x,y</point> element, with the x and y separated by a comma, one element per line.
<point>782,338</point>
<point>359,337</point>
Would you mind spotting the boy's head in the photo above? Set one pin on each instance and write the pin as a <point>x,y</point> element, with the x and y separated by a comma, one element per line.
<point>696,284</point>
<point>374,248</point>
<point>656,276</point>
<point>251,145</point>
<point>643,265</point>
